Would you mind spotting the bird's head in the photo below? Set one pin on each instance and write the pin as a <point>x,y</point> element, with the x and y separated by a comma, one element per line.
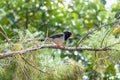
<point>67,34</point>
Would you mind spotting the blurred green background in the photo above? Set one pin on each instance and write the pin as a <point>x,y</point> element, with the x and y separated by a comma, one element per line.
<point>28,19</point>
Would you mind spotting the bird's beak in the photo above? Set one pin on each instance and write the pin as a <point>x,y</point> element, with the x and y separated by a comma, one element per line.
<point>71,36</point>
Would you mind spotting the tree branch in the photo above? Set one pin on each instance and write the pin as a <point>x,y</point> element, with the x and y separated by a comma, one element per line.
<point>27,17</point>
<point>8,54</point>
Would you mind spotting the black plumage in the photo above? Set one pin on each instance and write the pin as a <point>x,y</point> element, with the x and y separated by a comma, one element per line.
<point>56,36</point>
<point>67,35</point>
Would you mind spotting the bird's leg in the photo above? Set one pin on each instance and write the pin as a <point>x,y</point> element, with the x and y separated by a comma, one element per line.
<point>60,45</point>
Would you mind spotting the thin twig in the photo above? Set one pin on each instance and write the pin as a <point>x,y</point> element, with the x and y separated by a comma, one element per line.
<point>113,44</point>
<point>22,68</point>
<point>32,65</point>
<point>27,17</point>
<point>94,29</point>
<point>4,34</point>
<point>104,37</point>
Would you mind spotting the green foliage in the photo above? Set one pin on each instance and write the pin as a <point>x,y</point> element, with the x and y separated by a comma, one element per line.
<point>101,61</point>
<point>27,19</point>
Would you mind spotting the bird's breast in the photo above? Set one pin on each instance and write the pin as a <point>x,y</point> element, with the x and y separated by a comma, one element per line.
<point>58,40</point>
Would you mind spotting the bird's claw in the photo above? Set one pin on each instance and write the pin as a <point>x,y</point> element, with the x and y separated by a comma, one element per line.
<point>60,45</point>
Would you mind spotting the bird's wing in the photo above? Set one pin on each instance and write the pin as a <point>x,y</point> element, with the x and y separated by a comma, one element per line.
<point>57,36</point>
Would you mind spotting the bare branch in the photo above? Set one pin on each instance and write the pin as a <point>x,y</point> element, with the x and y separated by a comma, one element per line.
<point>8,54</point>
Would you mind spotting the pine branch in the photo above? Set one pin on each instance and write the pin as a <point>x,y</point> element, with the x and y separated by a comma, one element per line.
<point>8,54</point>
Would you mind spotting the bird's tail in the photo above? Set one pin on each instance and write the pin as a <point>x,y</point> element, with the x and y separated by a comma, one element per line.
<point>44,39</point>
<point>41,40</point>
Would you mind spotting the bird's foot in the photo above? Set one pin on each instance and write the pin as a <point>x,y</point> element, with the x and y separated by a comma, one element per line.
<point>60,45</point>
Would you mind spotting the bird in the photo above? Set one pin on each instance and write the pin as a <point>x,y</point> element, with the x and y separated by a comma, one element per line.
<point>58,39</point>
